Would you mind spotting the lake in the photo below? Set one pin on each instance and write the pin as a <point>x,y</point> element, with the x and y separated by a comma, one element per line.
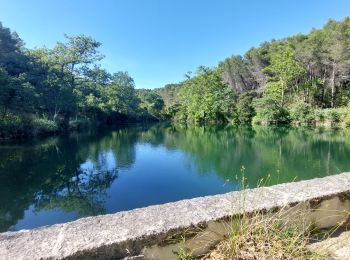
<point>61,179</point>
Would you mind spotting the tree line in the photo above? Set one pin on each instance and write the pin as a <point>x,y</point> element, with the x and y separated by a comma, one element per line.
<point>303,79</point>
<point>46,91</point>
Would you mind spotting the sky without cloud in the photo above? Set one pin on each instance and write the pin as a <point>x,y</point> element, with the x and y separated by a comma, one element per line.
<point>157,42</point>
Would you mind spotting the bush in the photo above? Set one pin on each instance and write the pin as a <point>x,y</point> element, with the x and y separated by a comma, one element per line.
<point>245,108</point>
<point>43,126</point>
<point>320,115</point>
<point>269,111</point>
<point>302,113</point>
<point>347,116</point>
<point>10,126</point>
<point>13,126</point>
<point>335,115</point>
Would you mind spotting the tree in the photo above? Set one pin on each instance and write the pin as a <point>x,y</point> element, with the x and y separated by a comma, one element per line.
<point>12,59</point>
<point>119,95</point>
<point>75,57</point>
<point>151,102</point>
<point>245,108</point>
<point>71,61</point>
<point>236,73</point>
<point>256,60</point>
<point>206,98</point>
<point>338,55</point>
<point>270,111</point>
<point>17,94</point>
<point>284,69</point>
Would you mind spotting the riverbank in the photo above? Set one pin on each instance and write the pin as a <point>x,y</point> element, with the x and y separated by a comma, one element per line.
<point>13,127</point>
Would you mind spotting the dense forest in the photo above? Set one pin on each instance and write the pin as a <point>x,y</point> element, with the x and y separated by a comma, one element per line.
<point>47,91</point>
<point>303,79</point>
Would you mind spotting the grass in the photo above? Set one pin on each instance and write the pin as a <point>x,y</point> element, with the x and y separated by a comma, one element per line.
<point>184,253</point>
<point>266,236</point>
<point>283,233</point>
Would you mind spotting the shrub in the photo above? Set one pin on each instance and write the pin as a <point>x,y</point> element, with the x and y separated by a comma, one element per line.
<point>269,111</point>
<point>10,126</point>
<point>320,115</point>
<point>347,116</point>
<point>335,115</point>
<point>302,113</point>
<point>13,126</point>
<point>245,108</point>
<point>43,126</point>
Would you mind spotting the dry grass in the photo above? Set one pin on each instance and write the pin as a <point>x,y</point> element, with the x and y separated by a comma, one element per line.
<point>266,236</point>
<point>284,233</point>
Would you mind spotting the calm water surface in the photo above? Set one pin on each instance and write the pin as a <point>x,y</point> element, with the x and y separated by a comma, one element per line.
<point>62,179</point>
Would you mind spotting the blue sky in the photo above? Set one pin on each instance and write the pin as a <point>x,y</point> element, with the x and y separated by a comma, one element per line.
<point>158,41</point>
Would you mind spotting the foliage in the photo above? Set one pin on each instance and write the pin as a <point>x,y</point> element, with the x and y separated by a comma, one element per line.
<point>347,116</point>
<point>284,69</point>
<point>302,113</point>
<point>315,66</point>
<point>333,115</point>
<point>270,111</point>
<point>245,108</point>
<point>169,93</point>
<point>151,102</point>
<point>12,125</point>
<point>66,84</point>
<point>320,115</point>
<point>205,98</point>
<point>55,86</point>
<point>44,126</point>
<point>304,73</point>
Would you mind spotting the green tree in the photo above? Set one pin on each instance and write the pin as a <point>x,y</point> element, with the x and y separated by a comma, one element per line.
<point>270,111</point>
<point>245,108</point>
<point>151,102</point>
<point>119,95</point>
<point>284,69</point>
<point>206,98</point>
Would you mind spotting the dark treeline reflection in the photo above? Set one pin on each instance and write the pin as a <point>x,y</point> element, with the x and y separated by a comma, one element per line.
<point>72,174</point>
<point>67,173</point>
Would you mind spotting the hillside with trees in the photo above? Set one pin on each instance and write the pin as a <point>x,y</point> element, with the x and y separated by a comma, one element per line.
<point>303,79</point>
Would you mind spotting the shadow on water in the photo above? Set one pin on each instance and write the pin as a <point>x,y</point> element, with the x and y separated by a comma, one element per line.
<point>74,174</point>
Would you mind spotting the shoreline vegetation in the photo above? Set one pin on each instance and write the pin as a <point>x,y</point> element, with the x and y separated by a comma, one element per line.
<point>299,80</point>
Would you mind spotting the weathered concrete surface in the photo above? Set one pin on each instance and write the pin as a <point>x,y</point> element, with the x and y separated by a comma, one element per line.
<point>335,248</point>
<point>127,233</point>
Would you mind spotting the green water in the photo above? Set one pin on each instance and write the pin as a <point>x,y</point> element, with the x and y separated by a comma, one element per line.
<point>64,178</point>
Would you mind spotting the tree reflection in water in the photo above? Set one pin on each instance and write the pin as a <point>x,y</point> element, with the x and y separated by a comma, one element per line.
<point>73,174</point>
